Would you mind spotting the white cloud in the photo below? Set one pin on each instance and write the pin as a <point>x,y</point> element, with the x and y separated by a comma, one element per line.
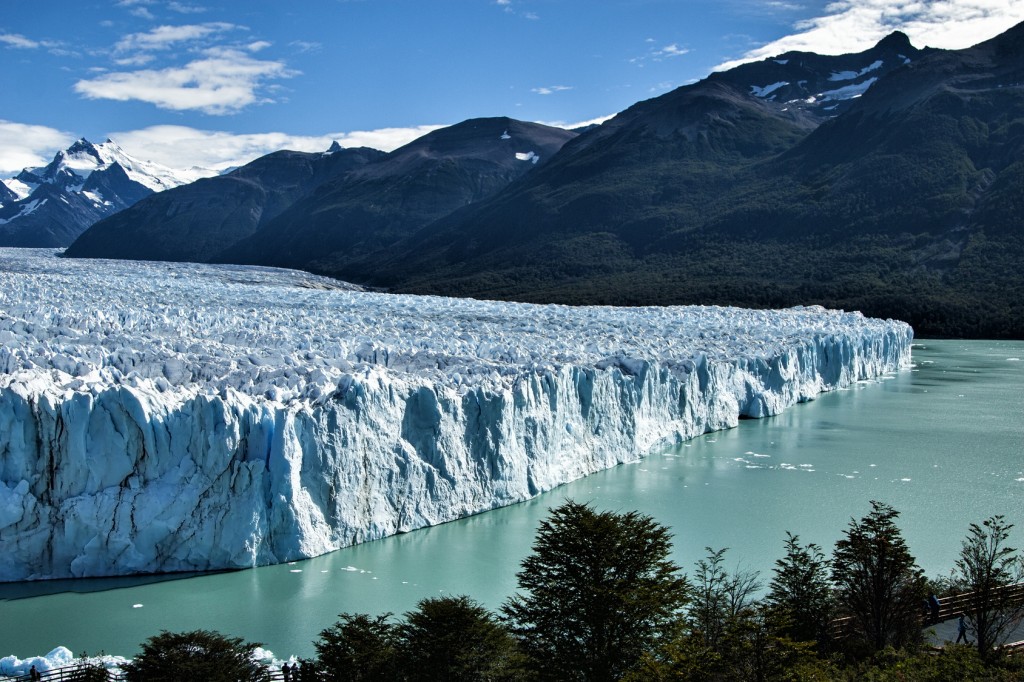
<point>224,82</point>
<point>182,8</point>
<point>134,60</point>
<point>17,40</point>
<point>579,124</point>
<point>550,90</point>
<point>306,46</point>
<point>672,50</point>
<point>23,145</point>
<point>164,37</point>
<point>855,25</point>
<point>184,147</point>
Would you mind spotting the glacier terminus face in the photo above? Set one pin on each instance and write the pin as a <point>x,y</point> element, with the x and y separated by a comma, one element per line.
<point>159,417</point>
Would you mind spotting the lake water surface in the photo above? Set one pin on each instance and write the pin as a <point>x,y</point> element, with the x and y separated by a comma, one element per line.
<point>943,443</point>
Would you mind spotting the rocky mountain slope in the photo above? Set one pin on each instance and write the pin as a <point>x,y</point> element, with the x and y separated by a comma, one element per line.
<point>906,204</point>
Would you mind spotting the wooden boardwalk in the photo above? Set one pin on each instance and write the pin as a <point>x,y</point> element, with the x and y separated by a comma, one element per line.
<point>950,608</point>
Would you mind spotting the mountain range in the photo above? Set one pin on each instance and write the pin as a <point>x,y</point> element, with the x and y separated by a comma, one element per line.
<point>889,181</point>
<point>52,205</point>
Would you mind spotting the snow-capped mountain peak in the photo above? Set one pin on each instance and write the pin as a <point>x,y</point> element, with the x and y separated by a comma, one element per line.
<point>89,182</point>
<point>84,158</point>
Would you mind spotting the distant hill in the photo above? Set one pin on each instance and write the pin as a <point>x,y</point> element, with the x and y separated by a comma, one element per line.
<point>195,222</point>
<point>54,204</point>
<point>374,206</point>
<point>889,181</point>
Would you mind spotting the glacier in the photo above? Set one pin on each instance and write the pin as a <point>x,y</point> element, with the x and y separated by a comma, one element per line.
<point>161,417</point>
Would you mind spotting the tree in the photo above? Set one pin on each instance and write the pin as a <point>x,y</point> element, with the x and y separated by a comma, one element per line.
<point>878,581</point>
<point>197,655</point>
<point>455,638</point>
<point>88,670</point>
<point>597,592</point>
<point>357,648</point>
<point>801,593</point>
<point>718,597</point>
<point>986,567</point>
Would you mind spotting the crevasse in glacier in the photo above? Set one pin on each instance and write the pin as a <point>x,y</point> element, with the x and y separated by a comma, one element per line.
<point>168,417</point>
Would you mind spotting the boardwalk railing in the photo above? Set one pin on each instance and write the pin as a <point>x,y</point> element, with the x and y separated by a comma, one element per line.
<point>950,607</point>
<point>76,673</point>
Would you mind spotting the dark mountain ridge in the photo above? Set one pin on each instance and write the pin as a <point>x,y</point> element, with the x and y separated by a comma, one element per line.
<point>371,208</point>
<point>906,204</point>
<point>889,181</point>
<point>196,221</point>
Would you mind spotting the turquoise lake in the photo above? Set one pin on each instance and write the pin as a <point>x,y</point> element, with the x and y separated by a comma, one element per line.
<point>942,442</point>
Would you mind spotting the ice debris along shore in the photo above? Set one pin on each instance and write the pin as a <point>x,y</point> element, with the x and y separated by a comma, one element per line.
<point>61,658</point>
<point>168,417</point>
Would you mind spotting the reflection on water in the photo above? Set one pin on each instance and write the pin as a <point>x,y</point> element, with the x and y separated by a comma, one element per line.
<point>942,443</point>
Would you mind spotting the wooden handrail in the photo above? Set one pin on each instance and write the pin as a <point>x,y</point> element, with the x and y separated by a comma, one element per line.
<point>951,605</point>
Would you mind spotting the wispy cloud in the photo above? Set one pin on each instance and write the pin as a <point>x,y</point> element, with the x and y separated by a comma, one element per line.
<point>672,50</point>
<point>659,54</point>
<point>23,145</point>
<point>510,8</point>
<point>224,81</point>
<point>855,25</point>
<point>183,146</point>
<point>137,8</point>
<point>182,8</point>
<point>551,89</point>
<point>306,46</point>
<point>16,40</point>
<point>166,37</point>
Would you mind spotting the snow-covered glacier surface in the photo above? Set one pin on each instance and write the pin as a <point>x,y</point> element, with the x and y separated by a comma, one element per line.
<point>169,417</point>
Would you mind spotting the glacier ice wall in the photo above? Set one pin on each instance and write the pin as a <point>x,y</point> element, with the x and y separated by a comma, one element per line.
<point>168,417</point>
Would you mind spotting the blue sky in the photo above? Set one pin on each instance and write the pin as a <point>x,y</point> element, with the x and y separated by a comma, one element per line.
<point>216,83</point>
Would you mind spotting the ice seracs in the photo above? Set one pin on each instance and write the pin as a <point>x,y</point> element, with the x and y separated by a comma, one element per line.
<point>166,417</point>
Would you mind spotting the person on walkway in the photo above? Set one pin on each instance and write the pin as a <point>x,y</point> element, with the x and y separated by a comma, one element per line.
<point>286,671</point>
<point>961,630</point>
<point>34,675</point>
<point>934,604</point>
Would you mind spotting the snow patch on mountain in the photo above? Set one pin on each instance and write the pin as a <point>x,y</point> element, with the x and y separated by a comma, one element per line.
<point>848,91</point>
<point>527,156</point>
<point>20,189</point>
<point>164,417</point>
<point>25,209</point>
<point>767,89</point>
<point>850,75</point>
